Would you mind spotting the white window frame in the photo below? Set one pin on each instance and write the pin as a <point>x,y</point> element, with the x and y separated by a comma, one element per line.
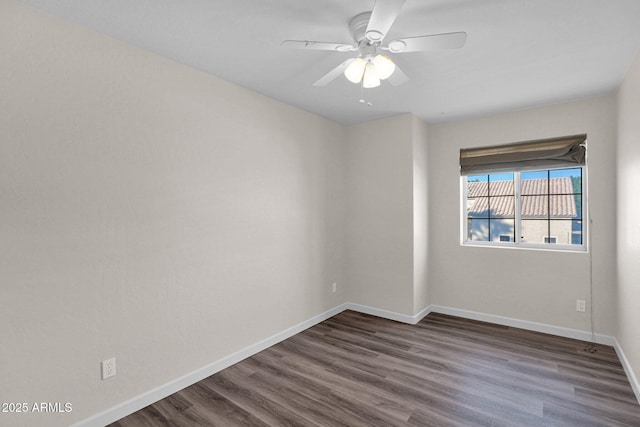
<point>518,243</point>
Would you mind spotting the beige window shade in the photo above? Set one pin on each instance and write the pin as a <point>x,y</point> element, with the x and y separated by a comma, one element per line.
<point>566,151</point>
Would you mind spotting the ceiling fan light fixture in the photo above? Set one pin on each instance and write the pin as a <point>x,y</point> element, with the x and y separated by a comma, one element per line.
<point>368,29</point>
<point>355,70</point>
<point>384,66</point>
<point>370,79</point>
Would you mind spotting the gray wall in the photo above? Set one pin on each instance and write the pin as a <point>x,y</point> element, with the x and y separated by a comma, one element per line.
<point>628,168</point>
<point>538,286</point>
<point>379,264</point>
<point>148,212</point>
<point>386,222</point>
<point>421,236</point>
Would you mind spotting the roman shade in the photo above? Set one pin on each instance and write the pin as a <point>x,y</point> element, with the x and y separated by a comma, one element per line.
<point>566,151</point>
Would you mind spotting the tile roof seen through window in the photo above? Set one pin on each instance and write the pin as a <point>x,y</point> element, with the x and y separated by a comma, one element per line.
<point>537,195</point>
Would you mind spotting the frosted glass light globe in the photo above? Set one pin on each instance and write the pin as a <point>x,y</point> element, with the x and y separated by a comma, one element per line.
<point>371,78</point>
<point>384,66</point>
<point>355,70</point>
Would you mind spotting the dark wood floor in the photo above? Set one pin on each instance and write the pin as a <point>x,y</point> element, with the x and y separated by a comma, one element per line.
<point>359,370</point>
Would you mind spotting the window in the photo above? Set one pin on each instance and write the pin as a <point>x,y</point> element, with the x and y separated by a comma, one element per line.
<point>525,206</point>
<point>534,207</point>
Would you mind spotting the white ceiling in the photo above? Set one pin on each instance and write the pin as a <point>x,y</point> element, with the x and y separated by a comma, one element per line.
<point>519,53</point>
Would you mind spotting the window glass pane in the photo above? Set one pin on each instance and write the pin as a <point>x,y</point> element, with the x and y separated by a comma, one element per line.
<point>490,207</point>
<point>477,185</point>
<point>535,175</point>
<point>577,199</point>
<point>534,182</point>
<point>563,231</point>
<point>563,206</point>
<point>478,207</point>
<point>501,227</point>
<point>534,207</point>
<point>573,175</point>
<point>501,184</point>
<point>576,232</point>
<point>560,185</point>
<point>502,207</point>
<point>478,229</point>
<point>534,230</point>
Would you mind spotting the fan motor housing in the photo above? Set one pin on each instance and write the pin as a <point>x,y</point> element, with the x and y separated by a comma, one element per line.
<point>358,26</point>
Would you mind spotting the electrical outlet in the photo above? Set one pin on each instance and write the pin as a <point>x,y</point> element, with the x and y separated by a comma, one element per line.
<point>108,368</point>
<point>334,287</point>
<point>581,305</point>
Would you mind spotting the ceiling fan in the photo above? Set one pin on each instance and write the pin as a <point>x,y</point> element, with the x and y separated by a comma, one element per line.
<point>369,30</point>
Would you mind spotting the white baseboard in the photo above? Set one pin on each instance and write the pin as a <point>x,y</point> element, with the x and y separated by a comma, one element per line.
<point>525,324</point>
<point>147,398</point>
<point>633,380</point>
<point>386,314</point>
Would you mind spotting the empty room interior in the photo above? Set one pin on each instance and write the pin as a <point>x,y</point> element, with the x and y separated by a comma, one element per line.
<point>330,212</point>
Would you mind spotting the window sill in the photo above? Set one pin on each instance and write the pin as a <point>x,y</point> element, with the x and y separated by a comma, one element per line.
<point>545,247</point>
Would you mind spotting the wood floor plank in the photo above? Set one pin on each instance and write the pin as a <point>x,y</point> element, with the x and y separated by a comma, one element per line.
<point>372,398</point>
<point>359,370</point>
<point>240,390</point>
<point>454,383</point>
<point>329,397</point>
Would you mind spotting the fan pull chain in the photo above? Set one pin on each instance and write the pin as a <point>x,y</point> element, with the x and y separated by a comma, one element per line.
<point>362,98</point>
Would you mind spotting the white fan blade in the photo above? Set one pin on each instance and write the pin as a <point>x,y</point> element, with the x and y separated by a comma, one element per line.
<point>398,77</point>
<point>383,15</point>
<point>313,45</point>
<point>334,74</point>
<point>426,43</point>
